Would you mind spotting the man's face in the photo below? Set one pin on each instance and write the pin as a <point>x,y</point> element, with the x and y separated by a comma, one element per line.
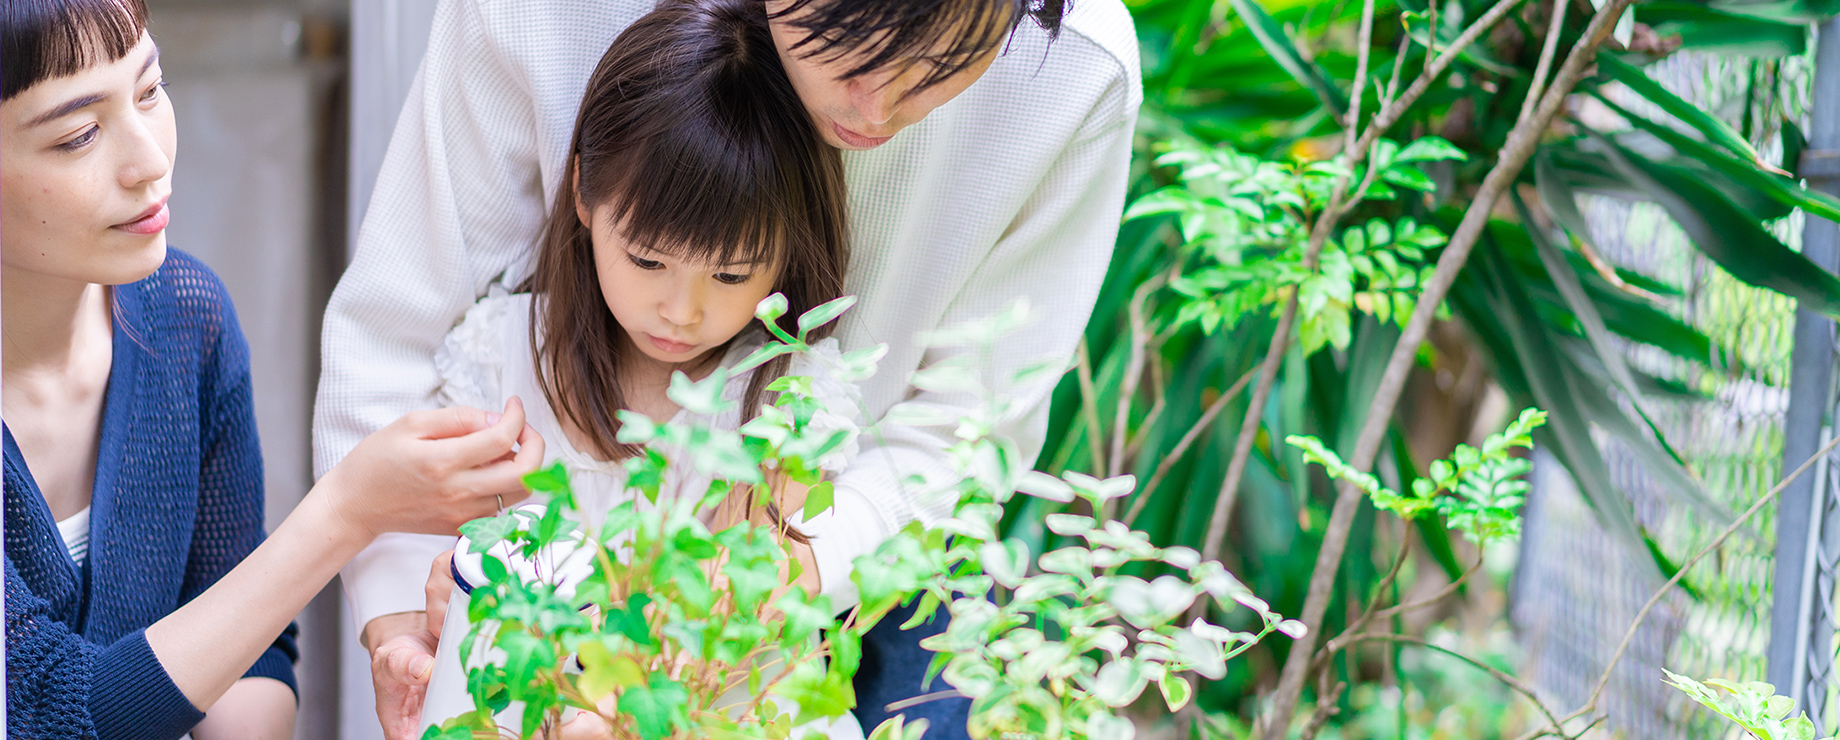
<point>865,111</point>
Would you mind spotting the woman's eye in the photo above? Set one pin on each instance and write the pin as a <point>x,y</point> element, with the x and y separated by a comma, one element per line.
<point>81,140</point>
<point>153,91</point>
<point>644,264</point>
<point>730,278</point>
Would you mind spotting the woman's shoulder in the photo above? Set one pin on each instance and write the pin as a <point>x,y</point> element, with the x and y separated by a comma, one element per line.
<point>472,359</point>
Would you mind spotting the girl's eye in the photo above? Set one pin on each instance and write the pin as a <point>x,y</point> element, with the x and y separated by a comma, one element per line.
<point>644,264</point>
<point>81,140</point>
<point>729,278</point>
<point>153,91</point>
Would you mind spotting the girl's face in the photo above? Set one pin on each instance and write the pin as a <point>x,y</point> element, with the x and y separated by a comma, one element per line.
<point>675,310</point>
<point>85,171</point>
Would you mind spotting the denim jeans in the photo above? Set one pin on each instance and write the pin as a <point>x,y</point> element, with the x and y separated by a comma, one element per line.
<point>893,664</point>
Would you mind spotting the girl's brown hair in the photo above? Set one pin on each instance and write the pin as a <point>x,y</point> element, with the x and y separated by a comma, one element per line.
<point>690,138</point>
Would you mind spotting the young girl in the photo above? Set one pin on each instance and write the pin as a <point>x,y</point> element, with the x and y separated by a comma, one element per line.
<point>696,188</point>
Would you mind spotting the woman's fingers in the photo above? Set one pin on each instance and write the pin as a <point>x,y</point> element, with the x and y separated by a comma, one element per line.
<point>485,445</point>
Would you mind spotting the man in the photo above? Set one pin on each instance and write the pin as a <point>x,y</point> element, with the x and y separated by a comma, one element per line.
<point>987,146</point>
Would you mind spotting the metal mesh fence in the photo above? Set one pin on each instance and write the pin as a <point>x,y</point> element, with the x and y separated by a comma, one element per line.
<point>1578,589</point>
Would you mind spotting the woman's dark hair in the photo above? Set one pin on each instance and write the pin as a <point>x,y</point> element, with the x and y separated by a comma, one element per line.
<point>691,139</point>
<point>46,39</point>
<point>947,34</point>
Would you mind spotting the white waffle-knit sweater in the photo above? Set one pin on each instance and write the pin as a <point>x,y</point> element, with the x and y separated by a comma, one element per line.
<point>1011,190</point>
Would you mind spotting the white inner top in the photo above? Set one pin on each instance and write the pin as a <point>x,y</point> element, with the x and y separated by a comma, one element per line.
<point>75,530</point>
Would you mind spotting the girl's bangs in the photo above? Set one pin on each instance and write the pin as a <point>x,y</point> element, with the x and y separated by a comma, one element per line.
<point>719,206</point>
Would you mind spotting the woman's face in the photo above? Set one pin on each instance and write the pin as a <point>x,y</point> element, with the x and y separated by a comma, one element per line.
<point>677,311</point>
<point>85,170</point>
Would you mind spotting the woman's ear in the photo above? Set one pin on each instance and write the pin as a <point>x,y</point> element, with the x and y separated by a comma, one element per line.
<point>581,209</point>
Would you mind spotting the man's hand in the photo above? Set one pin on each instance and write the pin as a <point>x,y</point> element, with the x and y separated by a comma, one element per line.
<point>402,659</point>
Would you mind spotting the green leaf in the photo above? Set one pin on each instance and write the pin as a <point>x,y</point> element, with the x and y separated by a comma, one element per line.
<point>486,532</point>
<point>819,499</point>
<point>550,479</point>
<point>629,620</point>
<point>1176,691</point>
<point>658,708</point>
<point>771,307</point>
<point>1271,36</point>
<point>1776,187</point>
<point>1726,235</point>
<point>1430,149</point>
<point>824,314</point>
<point>1715,130</point>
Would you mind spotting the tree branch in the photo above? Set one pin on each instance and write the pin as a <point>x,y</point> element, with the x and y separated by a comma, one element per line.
<point>1188,438</point>
<point>1513,157</point>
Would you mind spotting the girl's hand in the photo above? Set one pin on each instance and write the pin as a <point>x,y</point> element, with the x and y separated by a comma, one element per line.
<point>431,471</point>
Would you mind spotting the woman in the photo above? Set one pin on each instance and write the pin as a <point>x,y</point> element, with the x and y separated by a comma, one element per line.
<point>141,598</point>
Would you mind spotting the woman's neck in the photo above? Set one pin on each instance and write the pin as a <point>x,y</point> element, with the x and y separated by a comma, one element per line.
<point>50,324</point>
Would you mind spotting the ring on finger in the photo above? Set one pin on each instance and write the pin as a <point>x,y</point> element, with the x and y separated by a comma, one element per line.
<point>501,501</point>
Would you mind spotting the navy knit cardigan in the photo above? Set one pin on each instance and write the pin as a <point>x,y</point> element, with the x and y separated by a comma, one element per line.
<point>177,504</point>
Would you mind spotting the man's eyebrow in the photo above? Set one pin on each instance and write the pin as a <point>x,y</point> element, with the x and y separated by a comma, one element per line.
<point>69,107</point>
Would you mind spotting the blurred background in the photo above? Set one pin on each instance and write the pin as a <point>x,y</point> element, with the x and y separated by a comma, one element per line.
<point>286,108</point>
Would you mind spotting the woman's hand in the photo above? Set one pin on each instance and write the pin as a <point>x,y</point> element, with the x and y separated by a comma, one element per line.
<point>431,471</point>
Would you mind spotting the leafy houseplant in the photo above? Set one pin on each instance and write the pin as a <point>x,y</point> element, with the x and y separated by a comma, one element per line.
<point>680,631</point>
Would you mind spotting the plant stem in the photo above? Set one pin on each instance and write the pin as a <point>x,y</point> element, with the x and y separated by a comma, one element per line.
<point>1188,438</point>
<point>1089,407</point>
<point>1133,373</point>
<point>1506,679</point>
<point>1248,428</point>
<point>1547,52</point>
<point>1521,143</point>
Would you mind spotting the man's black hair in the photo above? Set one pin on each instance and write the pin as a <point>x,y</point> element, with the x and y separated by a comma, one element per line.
<point>47,39</point>
<point>948,35</point>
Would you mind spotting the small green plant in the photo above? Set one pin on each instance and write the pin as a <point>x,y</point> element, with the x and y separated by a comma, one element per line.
<point>1479,491</point>
<point>1754,706</point>
<point>1245,224</point>
<point>697,633</point>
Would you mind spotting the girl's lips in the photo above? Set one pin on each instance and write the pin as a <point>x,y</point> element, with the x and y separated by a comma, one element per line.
<point>152,223</point>
<point>858,140</point>
<point>675,348</point>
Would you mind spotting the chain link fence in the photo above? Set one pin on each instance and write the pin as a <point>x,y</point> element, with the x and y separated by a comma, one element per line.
<point>1577,589</point>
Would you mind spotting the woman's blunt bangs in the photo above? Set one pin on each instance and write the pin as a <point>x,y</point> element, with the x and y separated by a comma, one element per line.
<point>694,141</point>
<point>948,35</point>
<point>47,39</point>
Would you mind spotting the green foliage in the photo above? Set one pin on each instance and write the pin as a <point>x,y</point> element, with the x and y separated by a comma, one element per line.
<point>683,616</point>
<point>1478,491</point>
<point>1754,706</point>
<point>1245,224</point>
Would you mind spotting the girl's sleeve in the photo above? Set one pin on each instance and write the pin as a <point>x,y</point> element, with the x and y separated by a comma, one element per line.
<point>231,509</point>
<point>60,685</point>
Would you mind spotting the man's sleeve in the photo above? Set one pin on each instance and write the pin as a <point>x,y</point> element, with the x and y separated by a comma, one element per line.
<point>459,200</point>
<point>1055,255</point>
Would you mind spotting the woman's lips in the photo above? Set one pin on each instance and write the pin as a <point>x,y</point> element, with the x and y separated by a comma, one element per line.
<point>153,221</point>
<point>670,347</point>
<point>858,140</point>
